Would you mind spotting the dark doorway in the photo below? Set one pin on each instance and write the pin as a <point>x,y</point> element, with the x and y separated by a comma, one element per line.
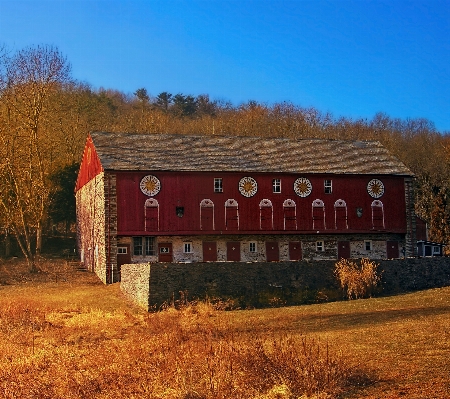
<point>123,255</point>
<point>209,251</point>
<point>392,249</point>
<point>295,250</point>
<point>343,249</point>
<point>234,251</point>
<point>272,251</point>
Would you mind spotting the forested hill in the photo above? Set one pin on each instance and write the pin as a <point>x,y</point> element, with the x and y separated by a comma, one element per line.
<point>45,116</point>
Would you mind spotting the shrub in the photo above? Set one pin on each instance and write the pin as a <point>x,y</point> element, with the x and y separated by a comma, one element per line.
<point>358,281</point>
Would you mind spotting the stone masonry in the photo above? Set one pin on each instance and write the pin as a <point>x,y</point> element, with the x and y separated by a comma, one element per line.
<point>150,286</point>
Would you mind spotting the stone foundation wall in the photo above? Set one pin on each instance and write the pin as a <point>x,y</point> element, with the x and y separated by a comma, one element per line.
<point>308,244</point>
<point>135,283</point>
<point>261,284</point>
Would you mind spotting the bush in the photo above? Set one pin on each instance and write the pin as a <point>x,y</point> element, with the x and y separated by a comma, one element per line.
<point>358,281</point>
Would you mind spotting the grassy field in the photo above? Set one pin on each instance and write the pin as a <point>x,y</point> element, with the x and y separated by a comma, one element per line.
<point>63,334</point>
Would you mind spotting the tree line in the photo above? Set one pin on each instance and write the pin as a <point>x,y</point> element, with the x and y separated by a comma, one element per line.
<point>46,114</point>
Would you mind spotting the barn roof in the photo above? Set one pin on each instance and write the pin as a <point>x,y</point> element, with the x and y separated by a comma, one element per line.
<point>175,152</point>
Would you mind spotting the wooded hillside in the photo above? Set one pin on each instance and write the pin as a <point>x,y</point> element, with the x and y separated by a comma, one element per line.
<point>45,116</point>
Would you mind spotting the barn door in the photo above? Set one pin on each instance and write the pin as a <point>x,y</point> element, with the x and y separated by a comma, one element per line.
<point>295,250</point>
<point>123,255</point>
<point>165,252</point>
<point>234,251</point>
<point>392,249</point>
<point>272,251</point>
<point>340,215</point>
<point>231,215</point>
<point>206,215</point>
<point>290,215</point>
<point>209,251</point>
<point>343,249</point>
<point>266,215</point>
<point>318,215</point>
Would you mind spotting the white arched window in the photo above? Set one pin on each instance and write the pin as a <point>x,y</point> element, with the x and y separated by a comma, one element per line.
<point>206,214</point>
<point>151,211</point>
<point>377,215</point>
<point>340,215</point>
<point>318,215</point>
<point>290,215</point>
<point>265,215</point>
<point>231,214</point>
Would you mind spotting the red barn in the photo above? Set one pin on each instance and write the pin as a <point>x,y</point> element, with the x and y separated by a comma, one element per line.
<point>184,198</point>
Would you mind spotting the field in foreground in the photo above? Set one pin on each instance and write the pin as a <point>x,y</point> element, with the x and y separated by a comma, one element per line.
<point>63,334</point>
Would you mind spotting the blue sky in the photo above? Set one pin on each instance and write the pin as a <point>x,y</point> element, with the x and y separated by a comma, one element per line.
<point>349,58</point>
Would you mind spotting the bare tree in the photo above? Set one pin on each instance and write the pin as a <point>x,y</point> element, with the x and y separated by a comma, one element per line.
<point>27,78</point>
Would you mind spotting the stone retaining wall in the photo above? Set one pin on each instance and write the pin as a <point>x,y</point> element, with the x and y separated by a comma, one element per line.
<point>135,283</point>
<point>259,284</point>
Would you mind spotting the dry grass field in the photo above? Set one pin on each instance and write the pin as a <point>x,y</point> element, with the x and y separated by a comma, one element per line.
<point>63,334</point>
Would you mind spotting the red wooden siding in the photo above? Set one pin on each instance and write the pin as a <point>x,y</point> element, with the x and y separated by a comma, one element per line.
<point>246,215</point>
<point>90,165</point>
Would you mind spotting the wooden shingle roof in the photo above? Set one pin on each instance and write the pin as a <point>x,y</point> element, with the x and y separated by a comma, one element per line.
<point>174,152</point>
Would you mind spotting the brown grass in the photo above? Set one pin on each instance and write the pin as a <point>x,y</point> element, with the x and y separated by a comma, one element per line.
<point>76,338</point>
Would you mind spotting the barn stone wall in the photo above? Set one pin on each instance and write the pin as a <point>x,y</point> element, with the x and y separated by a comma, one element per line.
<point>135,283</point>
<point>308,242</point>
<point>262,284</point>
<point>97,226</point>
<point>91,242</point>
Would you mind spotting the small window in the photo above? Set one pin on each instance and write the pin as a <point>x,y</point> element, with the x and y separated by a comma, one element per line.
<point>179,211</point>
<point>368,245</point>
<point>436,250</point>
<point>252,247</point>
<point>137,245</point>
<point>328,186</point>
<point>187,248</point>
<point>218,188</point>
<point>320,246</point>
<point>150,246</point>
<point>276,184</point>
<point>122,250</point>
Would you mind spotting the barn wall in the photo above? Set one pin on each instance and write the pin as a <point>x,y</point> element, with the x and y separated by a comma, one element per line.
<point>308,244</point>
<point>135,283</point>
<point>262,284</point>
<point>187,190</point>
<point>90,165</point>
<point>91,242</point>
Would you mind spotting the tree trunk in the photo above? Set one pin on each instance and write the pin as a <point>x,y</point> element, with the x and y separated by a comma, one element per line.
<point>7,245</point>
<point>38,240</point>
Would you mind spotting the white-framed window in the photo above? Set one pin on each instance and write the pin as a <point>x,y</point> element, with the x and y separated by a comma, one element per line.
<point>150,246</point>
<point>436,250</point>
<point>187,248</point>
<point>143,246</point>
<point>320,246</point>
<point>122,250</point>
<point>276,185</point>
<point>137,246</point>
<point>252,247</point>
<point>368,245</point>
<point>218,188</point>
<point>328,186</point>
